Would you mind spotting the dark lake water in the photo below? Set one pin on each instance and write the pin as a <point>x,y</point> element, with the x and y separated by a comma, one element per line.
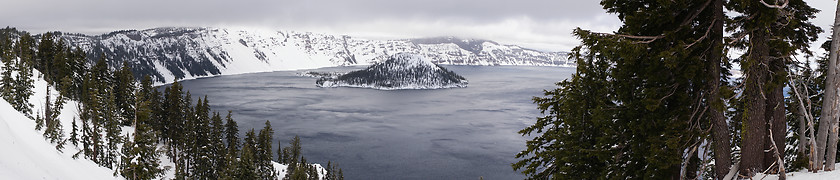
<point>460,133</point>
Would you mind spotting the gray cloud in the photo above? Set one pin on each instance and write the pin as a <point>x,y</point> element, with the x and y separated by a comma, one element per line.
<point>541,24</point>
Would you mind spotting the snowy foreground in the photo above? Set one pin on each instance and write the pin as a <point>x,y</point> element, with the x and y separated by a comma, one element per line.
<point>26,154</point>
<point>804,175</point>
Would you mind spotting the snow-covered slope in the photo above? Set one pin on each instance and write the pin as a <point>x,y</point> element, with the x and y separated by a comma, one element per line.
<point>25,154</point>
<point>803,175</point>
<point>184,53</point>
<point>399,71</point>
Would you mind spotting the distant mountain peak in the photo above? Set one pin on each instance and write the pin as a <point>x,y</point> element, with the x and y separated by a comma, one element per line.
<point>174,53</point>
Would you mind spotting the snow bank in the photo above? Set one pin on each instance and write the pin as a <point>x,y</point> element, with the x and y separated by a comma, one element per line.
<point>25,154</point>
<point>804,175</point>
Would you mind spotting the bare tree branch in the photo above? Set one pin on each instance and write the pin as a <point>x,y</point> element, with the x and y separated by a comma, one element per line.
<point>779,160</point>
<point>784,5</point>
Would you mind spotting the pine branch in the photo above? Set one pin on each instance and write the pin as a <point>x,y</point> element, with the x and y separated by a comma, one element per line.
<point>704,35</point>
<point>648,38</point>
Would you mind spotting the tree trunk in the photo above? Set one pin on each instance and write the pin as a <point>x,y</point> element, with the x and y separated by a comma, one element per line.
<point>754,135</point>
<point>828,118</point>
<point>808,118</point>
<point>801,146</point>
<point>48,111</point>
<point>831,149</point>
<point>775,116</point>
<point>720,131</point>
<point>775,113</point>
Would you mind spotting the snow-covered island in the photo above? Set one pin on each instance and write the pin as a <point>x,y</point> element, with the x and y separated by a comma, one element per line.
<point>399,71</point>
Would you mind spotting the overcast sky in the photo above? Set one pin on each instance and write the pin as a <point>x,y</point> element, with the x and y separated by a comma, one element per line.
<point>539,24</point>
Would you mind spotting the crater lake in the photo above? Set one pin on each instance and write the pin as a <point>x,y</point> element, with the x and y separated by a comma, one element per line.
<point>457,133</point>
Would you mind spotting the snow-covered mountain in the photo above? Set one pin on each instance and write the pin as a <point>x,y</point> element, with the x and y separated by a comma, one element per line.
<point>184,53</point>
<point>399,71</point>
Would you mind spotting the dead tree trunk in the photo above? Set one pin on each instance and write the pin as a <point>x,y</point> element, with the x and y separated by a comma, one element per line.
<point>801,146</point>
<point>828,118</point>
<point>831,149</point>
<point>802,99</point>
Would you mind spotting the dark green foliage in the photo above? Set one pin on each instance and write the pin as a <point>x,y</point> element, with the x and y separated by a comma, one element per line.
<point>74,134</point>
<point>123,92</point>
<point>632,91</point>
<point>112,132</point>
<point>217,147</point>
<point>200,140</point>
<point>304,171</point>
<point>231,135</point>
<point>7,58</point>
<point>297,168</point>
<point>265,170</point>
<point>574,123</point>
<point>46,54</point>
<point>171,126</point>
<point>140,158</point>
<point>775,36</point>
<point>333,172</point>
<point>293,156</point>
<point>54,130</point>
<point>247,168</point>
<point>24,83</point>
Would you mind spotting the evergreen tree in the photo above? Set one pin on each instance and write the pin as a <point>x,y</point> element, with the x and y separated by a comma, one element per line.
<point>231,167</point>
<point>293,156</point>
<point>74,134</point>
<point>231,134</point>
<point>78,68</point>
<point>264,153</point>
<point>54,130</point>
<point>203,161</point>
<point>52,73</point>
<point>185,140</point>
<point>312,172</point>
<point>232,163</point>
<point>247,168</point>
<point>123,89</point>
<point>7,57</point>
<point>641,87</point>
<point>112,131</point>
<point>282,153</point>
<point>775,34</point>
<point>217,146</point>
<point>140,156</point>
<point>301,171</point>
<point>92,118</point>
<point>24,83</point>
<point>46,54</point>
<point>172,122</point>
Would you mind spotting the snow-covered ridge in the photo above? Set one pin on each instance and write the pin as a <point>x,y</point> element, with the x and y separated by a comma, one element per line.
<point>185,53</point>
<point>399,71</point>
<point>26,154</point>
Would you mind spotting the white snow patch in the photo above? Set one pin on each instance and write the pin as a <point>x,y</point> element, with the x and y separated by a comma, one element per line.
<point>804,175</point>
<point>25,154</point>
